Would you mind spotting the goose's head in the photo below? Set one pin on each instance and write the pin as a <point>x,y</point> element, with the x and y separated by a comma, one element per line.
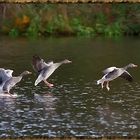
<point>66,61</point>
<point>26,73</point>
<point>131,65</point>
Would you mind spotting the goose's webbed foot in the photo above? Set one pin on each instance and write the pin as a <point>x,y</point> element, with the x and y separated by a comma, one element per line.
<point>107,86</point>
<point>48,84</point>
<point>6,92</point>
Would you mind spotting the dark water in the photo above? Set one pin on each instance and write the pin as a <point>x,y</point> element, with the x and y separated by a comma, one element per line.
<point>75,106</point>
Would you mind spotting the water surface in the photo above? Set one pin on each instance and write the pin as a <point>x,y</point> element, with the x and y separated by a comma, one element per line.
<point>75,106</point>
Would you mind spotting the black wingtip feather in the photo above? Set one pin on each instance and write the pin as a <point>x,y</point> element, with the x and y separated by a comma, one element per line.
<point>127,76</point>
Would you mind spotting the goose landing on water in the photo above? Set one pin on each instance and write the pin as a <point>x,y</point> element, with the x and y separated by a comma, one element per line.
<point>113,73</point>
<point>44,69</point>
<point>7,81</point>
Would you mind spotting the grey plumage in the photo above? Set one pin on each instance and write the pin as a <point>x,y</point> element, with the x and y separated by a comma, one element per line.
<point>113,73</point>
<point>8,81</point>
<point>45,69</point>
<point>4,76</point>
<point>11,83</point>
<point>127,76</point>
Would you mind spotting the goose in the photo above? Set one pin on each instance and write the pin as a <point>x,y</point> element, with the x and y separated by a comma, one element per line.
<point>7,81</point>
<point>45,70</point>
<point>112,73</point>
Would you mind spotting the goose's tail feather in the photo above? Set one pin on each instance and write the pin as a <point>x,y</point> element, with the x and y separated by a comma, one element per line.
<point>99,81</point>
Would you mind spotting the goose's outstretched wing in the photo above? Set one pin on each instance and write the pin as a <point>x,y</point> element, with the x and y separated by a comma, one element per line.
<point>39,64</point>
<point>108,70</point>
<point>111,74</point>
<point>127,76</point>
<point>5,75</point>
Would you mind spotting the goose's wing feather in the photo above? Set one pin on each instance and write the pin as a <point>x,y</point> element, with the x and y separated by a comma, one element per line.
<point>5,75</point>
<point>39,63</point>
<point>36,62</point>
<point>41,76</point>
<point>9,72</point>
<point>111,74</point>
<point>45,73</point>
<point>127,76</point>
<point>108,70</point>
<point>11,83</point>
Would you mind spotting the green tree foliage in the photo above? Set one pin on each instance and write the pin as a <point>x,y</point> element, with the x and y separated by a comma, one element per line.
<point>34,20</point>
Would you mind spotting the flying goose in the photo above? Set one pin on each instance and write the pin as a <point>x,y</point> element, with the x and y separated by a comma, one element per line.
<point>7,81</point>
<point>112,73</point>
<point>44,69</point>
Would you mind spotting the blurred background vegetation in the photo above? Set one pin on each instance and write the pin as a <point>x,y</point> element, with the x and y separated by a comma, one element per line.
<point>43,20</point>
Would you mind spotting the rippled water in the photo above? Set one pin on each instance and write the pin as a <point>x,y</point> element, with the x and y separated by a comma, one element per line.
<point>75,106</point>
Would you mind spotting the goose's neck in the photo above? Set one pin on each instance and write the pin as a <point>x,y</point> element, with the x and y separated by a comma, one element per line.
<point>126,67</point>
<point>59,64</point>
<point>21,75</point>
<point>62,62</point>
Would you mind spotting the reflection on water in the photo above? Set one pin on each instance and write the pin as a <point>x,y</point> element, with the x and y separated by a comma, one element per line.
<point>75,106</point>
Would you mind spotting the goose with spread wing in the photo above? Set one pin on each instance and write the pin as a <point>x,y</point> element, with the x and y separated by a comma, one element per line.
<point>7,81</point>
<point>44,69</point>
<point>113,73</point>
